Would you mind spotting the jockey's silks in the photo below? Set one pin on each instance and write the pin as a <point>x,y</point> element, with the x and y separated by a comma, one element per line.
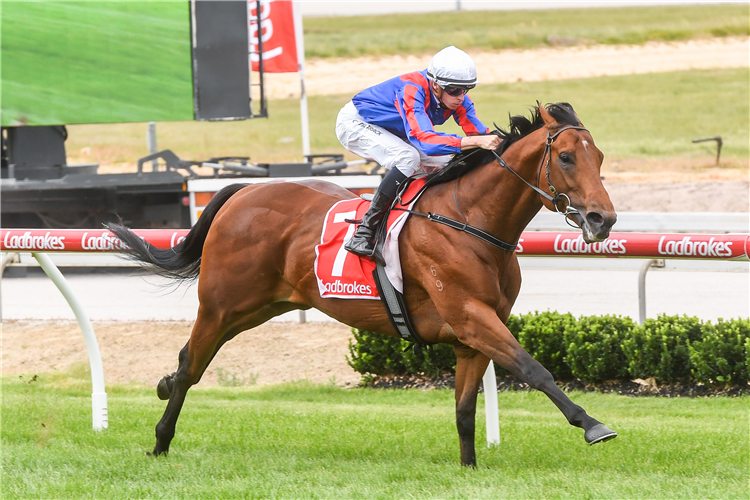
<point>405,106</point>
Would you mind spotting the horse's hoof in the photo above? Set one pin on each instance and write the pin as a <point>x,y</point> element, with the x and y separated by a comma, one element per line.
<point>598,434</point>
<point>162,389</point>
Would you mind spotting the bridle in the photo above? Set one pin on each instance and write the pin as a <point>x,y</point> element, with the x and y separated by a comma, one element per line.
<point>476,232</point>
<point>557,196</point>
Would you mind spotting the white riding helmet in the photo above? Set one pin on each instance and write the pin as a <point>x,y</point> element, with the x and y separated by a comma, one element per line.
<point>452,67</point>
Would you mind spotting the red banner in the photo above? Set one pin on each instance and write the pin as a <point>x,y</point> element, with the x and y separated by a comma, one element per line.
<point>277,35</point>
<point>81,240</point>
<point>531,243</point>
<point>643,245</point>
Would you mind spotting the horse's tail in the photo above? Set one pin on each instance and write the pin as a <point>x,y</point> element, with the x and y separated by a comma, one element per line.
<point>183,261</point>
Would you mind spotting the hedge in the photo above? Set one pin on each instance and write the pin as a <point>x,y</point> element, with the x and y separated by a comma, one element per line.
<point>591,349</point>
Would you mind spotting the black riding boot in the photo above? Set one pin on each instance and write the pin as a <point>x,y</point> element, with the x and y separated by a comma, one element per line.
<point>363,240</point>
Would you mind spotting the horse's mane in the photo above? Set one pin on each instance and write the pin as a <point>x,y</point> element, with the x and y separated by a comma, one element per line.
<point>519,127</point>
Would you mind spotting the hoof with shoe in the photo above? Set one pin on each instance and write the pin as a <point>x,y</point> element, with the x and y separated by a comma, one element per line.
<point>163,389</point>
<point>598,434</point>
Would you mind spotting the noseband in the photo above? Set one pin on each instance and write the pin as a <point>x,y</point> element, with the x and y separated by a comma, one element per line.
<point>557,197</point>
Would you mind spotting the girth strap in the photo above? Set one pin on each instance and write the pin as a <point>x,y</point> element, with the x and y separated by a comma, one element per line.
<point>396,308</point>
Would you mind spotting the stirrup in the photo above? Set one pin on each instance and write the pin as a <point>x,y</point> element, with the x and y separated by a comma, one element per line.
<point>373,253</point>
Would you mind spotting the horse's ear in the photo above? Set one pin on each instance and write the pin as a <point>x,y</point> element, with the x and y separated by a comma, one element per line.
<point>548,120</point>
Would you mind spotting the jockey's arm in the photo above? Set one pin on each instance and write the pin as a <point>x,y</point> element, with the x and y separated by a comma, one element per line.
<point>490,141</point>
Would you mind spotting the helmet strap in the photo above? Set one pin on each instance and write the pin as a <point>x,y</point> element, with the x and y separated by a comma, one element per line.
<point>439,96</point>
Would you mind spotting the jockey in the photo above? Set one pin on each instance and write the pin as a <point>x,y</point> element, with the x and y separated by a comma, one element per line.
<point>392,123</point>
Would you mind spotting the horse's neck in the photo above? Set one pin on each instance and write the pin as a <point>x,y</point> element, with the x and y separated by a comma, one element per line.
<point>498,200</point>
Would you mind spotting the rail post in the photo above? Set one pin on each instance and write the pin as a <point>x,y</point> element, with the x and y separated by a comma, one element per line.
<point>7,260</point>
<point>642,286</point>
<point>98,395</point>
<point>491,413</point>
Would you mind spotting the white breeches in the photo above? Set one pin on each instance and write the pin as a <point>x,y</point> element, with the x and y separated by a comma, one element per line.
<point>373,142</point>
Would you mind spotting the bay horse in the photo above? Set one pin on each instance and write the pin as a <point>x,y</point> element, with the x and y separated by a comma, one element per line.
<point>253,251</point>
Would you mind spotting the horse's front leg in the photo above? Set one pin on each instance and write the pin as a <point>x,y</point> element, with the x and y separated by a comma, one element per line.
<point>483,331</point>
<point>470,367</point>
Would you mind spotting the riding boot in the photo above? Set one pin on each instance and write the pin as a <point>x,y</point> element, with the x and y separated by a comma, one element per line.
<point>363,241</point>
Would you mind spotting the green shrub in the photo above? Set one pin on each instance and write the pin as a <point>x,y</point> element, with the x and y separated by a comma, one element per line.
<point>721,357</point>
<point>376,354</point>
<point>660,349</point>
<point>440,358</point>
<point>594,347</point>
<point>591,349</point>
<point>543,336</point>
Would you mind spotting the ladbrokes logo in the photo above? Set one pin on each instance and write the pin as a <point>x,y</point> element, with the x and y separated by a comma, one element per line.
<point>26,241</point>
<point>348,288</point>
<point>577,245</point>
<point>102,242</point>
<point>689,248</point>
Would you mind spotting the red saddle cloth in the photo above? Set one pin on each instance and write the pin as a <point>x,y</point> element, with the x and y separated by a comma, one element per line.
<point>342,274</point>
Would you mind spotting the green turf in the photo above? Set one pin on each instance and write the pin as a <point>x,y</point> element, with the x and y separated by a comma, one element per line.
<point>95,62</point>
<point>305,441</point>
<point>129,61</point>
<point>489,30</point>
<point>635,116</point>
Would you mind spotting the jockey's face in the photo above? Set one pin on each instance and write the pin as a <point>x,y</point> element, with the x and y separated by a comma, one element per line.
<point>449,101</point>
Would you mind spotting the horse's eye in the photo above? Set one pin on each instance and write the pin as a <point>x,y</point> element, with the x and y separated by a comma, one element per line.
<point>566,158</point>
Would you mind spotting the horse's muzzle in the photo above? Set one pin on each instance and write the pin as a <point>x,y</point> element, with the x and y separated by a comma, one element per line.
<point>595,225</point>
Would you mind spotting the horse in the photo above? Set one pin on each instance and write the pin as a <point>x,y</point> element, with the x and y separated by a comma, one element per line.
<point>253,252</point>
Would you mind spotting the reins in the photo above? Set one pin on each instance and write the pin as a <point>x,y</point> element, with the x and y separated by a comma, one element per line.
<point>548,156</point>
<point>483,235</point>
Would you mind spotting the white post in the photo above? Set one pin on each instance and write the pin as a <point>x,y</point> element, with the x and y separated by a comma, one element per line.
<point>5,262</point>
<point>151,143</point>
<point>98,395</point>
<point>299,37</point>
<point>490,405</point>
<point>642,286</point>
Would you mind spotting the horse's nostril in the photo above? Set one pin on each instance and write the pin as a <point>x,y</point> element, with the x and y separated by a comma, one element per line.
<point>594,219</point>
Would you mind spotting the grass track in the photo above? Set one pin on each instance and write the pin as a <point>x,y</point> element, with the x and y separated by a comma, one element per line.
<point>305,441</point>
<point>635,116</point>
<point>106,62</point>
<point>491,30</point>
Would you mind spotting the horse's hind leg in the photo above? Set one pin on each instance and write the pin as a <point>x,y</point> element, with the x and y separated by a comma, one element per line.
<point>165,384</point>
<point>194,358</point>
<point>207,337</point>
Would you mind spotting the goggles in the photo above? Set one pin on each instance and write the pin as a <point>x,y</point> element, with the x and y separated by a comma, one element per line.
<point>457,91</point>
